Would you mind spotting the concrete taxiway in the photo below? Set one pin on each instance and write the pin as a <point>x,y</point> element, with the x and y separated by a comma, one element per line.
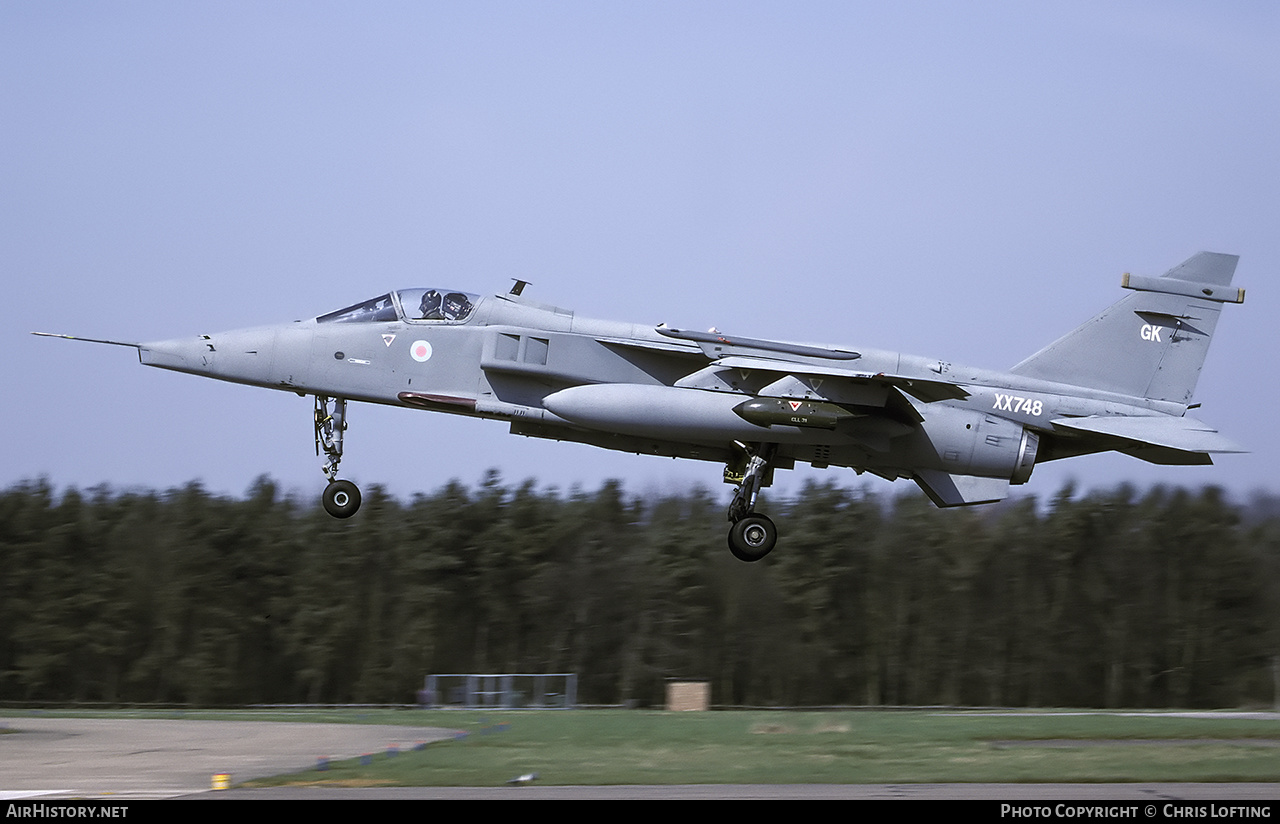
<point>161,758</point>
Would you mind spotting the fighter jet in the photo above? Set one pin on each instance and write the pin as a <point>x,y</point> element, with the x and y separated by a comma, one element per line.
<point>1121,382</point>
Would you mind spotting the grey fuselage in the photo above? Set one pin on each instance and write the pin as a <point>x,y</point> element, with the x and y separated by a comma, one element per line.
<point>642,389</point>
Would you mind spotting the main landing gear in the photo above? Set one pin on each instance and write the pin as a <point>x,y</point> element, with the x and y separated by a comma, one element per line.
<point>752,535</point>
<point>341,498</point>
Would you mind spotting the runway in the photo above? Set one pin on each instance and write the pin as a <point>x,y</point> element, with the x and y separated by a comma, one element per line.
<point>119,759</point>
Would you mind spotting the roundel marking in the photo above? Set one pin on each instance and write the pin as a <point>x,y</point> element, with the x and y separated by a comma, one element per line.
<point>420,351</point>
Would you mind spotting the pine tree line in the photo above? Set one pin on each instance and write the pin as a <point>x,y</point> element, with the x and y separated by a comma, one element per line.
<point>1121,598</point>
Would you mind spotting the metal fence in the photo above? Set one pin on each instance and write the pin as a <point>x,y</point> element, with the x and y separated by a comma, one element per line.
<point>507,691</point>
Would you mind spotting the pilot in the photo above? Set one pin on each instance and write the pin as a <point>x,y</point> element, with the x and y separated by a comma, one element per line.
<point>430,306</point>
<point>456,306</point>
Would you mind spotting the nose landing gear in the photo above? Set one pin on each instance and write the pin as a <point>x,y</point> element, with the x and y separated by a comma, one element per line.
<point>341,499</point>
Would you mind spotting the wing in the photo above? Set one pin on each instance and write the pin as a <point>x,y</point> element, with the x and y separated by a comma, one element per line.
<point>769,377</point>
<point>786,370</point>
<point>921,389</point>
<point>871,407</point>
<point>714,343</point>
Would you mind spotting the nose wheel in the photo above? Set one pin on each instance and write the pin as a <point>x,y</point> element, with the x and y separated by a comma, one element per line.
<point>341,499</point>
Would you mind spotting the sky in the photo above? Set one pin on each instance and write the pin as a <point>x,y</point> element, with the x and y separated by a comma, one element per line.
<point>964,181</point>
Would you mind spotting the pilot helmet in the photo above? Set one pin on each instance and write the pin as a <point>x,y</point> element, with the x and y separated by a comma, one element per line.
<point>456,305</point>
<point>430,302</point>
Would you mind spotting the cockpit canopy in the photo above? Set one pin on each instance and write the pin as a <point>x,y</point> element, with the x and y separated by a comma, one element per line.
<point>412,305</point>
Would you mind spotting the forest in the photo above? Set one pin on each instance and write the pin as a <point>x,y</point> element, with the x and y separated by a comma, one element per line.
<point>1163,597</point>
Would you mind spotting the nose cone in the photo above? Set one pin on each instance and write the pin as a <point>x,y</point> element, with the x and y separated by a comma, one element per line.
<point>193,355</point>
<point>271,356</point>
<point>251,356</point>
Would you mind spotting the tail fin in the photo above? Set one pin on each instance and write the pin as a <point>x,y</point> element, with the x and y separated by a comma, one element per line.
<point>1150,344</point>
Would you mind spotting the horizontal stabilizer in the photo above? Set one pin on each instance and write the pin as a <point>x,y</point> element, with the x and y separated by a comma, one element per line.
<point>946,490</point>
<point>1163,431</point>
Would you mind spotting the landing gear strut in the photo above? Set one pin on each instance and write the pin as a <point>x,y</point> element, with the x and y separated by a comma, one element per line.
<point>341,498</point>
<point>752,535</point>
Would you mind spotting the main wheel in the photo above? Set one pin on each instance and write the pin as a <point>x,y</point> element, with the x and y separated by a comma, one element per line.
<point>752,538</point>
<point>341,499</point>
